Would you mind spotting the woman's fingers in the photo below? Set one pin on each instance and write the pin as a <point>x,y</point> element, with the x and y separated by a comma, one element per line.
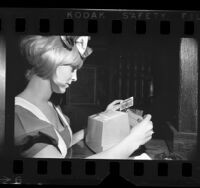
<point>115,105</point>
<point>146,120</point>
<point>147,117</point>
<point>116,101</point>
<point>151,125</point>
<point>151,132</point>
<point>149,138</point>
<point>143,131</point>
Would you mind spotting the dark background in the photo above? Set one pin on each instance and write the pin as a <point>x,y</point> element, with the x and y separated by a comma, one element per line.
<point>143,67</point>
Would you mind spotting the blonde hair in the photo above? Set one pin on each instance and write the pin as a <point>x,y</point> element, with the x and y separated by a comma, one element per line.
<point>46,53</point>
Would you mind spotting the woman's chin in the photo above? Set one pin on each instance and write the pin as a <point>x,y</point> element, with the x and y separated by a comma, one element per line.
<point>61,90</point>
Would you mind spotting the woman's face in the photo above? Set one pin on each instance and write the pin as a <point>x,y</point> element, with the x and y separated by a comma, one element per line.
<point>63,77</point>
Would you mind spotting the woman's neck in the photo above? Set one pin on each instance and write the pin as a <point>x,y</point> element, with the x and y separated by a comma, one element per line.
<point>38,90</point>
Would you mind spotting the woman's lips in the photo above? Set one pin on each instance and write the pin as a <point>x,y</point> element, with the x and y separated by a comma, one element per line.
<point>67,85</point>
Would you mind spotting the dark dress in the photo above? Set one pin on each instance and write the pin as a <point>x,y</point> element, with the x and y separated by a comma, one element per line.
<point>33,132</point>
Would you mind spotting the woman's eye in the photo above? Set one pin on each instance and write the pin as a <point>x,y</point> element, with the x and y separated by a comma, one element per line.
<point>73,69</point>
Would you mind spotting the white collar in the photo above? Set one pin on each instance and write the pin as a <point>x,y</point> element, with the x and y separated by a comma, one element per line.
<point>31,107</point>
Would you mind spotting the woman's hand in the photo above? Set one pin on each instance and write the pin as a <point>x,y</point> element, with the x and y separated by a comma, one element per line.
<point>113,106</point>
<point>139,135</point>
<point>142,132</point>
<point>134,119</point>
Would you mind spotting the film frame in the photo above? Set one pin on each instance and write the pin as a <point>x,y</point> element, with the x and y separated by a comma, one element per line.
<point>157,172</point>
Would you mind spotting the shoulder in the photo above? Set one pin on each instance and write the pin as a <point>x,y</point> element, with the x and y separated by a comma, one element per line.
<point>31,133</point>
<point>27,121</point>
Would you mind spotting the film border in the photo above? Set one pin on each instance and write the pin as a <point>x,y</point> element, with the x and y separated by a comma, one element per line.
<point>178,24</point>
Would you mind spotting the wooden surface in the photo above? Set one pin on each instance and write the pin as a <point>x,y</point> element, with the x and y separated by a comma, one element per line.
<point>2,89</point>
<point>188,90</point>
<point>155,147</point>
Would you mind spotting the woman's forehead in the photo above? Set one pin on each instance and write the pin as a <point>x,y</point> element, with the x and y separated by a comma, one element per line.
<point>72,64</point>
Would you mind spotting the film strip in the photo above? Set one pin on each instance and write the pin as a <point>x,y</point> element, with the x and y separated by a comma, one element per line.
<point>169,38</point>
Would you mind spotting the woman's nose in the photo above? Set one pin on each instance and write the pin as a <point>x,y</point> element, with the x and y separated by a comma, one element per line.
<point>74,76</point>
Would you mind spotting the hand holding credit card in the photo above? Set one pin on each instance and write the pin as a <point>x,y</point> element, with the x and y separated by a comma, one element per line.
<point>125,104</point>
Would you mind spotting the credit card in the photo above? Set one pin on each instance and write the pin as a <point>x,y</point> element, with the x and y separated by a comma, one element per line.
<point>127,103</point>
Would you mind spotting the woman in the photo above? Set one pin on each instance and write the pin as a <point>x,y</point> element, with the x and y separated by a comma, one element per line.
<point>41,129</point>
